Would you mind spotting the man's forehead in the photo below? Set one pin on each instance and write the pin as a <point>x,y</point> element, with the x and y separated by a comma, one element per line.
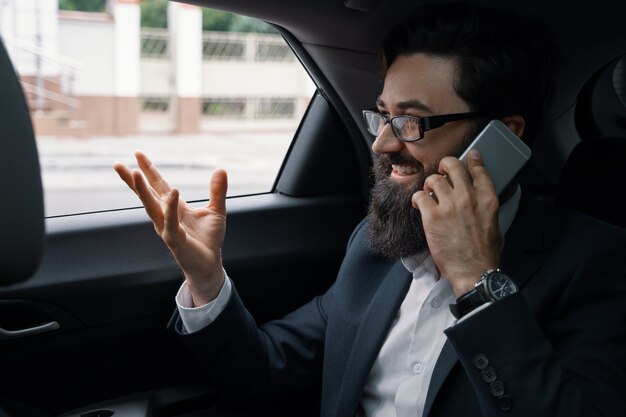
<point>421,82</point>
<point>404,104</point>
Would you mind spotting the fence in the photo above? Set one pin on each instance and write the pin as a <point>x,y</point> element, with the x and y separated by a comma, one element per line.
<point>231,108</point>
<point>154,43</point>
<point>222,46</point>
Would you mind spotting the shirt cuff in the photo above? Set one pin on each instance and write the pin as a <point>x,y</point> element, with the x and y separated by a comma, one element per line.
<point>197,318</point>
<point>474,311</point>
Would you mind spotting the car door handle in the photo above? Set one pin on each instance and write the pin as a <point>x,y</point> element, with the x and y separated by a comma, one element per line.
<point>31,331</point>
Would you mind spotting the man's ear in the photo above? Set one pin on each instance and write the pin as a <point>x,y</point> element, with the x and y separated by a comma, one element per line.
<point>515,123</point>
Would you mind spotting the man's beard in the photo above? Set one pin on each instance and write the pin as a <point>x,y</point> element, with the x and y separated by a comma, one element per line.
<point>395,227</point>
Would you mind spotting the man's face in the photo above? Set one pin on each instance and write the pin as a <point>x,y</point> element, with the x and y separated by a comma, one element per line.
<point>417,85</point>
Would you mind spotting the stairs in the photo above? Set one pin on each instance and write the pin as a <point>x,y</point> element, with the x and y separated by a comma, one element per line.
<point>52,111</point>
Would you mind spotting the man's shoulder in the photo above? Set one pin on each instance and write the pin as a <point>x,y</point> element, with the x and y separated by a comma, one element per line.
<point>592,233</point>
<point>359,234</point>
<point>571,229</point>
<point>359,253</point>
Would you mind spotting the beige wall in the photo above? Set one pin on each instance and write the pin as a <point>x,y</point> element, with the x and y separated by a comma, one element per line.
<point>109,115</point>
<point>188,112</point>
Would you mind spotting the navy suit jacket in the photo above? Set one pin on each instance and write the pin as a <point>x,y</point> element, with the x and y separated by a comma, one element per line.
<point>556,348</point>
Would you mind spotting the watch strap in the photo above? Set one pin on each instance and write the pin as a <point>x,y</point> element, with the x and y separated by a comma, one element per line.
<point>469,301</point>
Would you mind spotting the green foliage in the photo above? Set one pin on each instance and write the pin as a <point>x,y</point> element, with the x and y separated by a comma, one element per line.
<point>154,13</point>
<point>217,20</point>
<point>247,24</point>
<point>83,5</point>
<point>228,22</point>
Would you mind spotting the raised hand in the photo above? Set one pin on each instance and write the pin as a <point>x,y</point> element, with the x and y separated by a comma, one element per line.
<point>194,235</point>
<point>461,221</point>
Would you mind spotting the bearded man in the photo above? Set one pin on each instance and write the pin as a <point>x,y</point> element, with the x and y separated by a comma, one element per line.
<point>537,323</point>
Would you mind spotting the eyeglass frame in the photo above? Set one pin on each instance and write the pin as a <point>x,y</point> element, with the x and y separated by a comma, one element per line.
<point>425,123</point>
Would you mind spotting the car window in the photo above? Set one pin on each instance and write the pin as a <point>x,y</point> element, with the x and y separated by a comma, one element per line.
<point>195,89</point>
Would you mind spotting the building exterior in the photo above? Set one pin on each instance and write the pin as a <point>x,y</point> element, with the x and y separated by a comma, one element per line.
<point>102,74</point>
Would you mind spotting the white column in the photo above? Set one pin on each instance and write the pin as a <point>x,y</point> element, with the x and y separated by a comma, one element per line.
<point>28,28</point>
<point>185,48</point>
<point>127,17</point>
<point>126,67</point>
<point>7,11</point>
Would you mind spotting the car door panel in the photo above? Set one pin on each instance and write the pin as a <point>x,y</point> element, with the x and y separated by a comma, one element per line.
<point>109,282</point>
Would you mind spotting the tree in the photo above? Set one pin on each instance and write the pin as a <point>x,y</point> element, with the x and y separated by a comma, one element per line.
<point>217,20</point>
<point>83,5</point>
<point>154,13</point>
<point>248,24</point>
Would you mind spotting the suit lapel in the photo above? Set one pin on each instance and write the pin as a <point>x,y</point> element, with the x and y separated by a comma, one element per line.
<point>370,337</point>
<point>446,361</point>
<point>523,249</point>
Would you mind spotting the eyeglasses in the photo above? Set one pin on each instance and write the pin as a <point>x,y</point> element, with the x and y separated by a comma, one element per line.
<point>411,128</point>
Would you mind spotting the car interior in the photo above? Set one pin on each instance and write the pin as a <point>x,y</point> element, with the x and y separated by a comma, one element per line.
<point>85,299</point>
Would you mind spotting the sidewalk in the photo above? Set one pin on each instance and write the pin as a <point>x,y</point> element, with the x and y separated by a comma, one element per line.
<point>78,177</point>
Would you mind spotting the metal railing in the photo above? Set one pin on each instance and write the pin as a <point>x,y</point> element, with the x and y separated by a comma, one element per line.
<point>154,43</point>
<point>249,108</point>
<point>222,46</point>
<point>251,47</point>
<point>65,67</point>
<point>45,94</point>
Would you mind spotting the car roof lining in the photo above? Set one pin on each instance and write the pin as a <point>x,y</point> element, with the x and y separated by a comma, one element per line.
<point>344,42</point>
<point>587,36</point>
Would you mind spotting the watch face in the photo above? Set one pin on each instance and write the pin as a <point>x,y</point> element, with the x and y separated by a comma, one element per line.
<point>499,285</point>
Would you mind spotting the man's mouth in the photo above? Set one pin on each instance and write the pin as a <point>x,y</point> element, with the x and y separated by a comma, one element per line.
<point>404,169</point>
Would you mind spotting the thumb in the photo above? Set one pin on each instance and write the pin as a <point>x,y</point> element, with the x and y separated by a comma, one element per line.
<point>474,159</point>
<point>476,166</point>
<point>217,191</point>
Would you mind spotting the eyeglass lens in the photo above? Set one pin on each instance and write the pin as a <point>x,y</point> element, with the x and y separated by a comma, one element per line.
<point>404,127</point>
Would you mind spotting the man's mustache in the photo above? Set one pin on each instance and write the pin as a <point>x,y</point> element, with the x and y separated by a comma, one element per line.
<point>385,161</point>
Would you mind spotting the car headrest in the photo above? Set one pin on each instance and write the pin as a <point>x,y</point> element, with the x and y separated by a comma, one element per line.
<point>601,105</point>
<point>593,180</point>
<point>21,205</point>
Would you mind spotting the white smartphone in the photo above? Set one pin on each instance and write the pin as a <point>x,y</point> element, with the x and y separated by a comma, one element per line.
<point>503,153</point>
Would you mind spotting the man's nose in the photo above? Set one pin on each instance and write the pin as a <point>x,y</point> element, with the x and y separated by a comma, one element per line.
<point>386,142</point>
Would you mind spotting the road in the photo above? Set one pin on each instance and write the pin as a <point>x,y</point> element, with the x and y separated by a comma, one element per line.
<point>78,177</point>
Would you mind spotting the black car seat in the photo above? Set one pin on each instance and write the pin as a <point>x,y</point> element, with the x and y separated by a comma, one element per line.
<point>594,179</point>
<point>21,205</point>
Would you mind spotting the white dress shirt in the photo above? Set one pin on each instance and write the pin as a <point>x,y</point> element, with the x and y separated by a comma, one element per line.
<point>398,381</point>
<point>399,378</point>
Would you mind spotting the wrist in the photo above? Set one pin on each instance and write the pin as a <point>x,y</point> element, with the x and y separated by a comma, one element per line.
<point>468,280</point>
<point>204,290</point>
<point>493,285</point>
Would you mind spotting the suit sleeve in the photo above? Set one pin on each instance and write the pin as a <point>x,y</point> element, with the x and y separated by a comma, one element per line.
<point>555,349</point>
<point>262,365</point>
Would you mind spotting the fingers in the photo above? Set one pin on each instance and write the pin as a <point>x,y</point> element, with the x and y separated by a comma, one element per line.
<point>124,173</point>
<point>152,173</point>
<point>422,201</point>
<point>483,182</point>
<point>171,223</point>
<point>456,171</point>
<point>217,191</point>
<point>437,186</point>
<point>150,202</point>
<point>461,177</point>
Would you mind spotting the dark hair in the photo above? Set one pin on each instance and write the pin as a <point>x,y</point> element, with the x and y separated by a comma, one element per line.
<point>506,64</point>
